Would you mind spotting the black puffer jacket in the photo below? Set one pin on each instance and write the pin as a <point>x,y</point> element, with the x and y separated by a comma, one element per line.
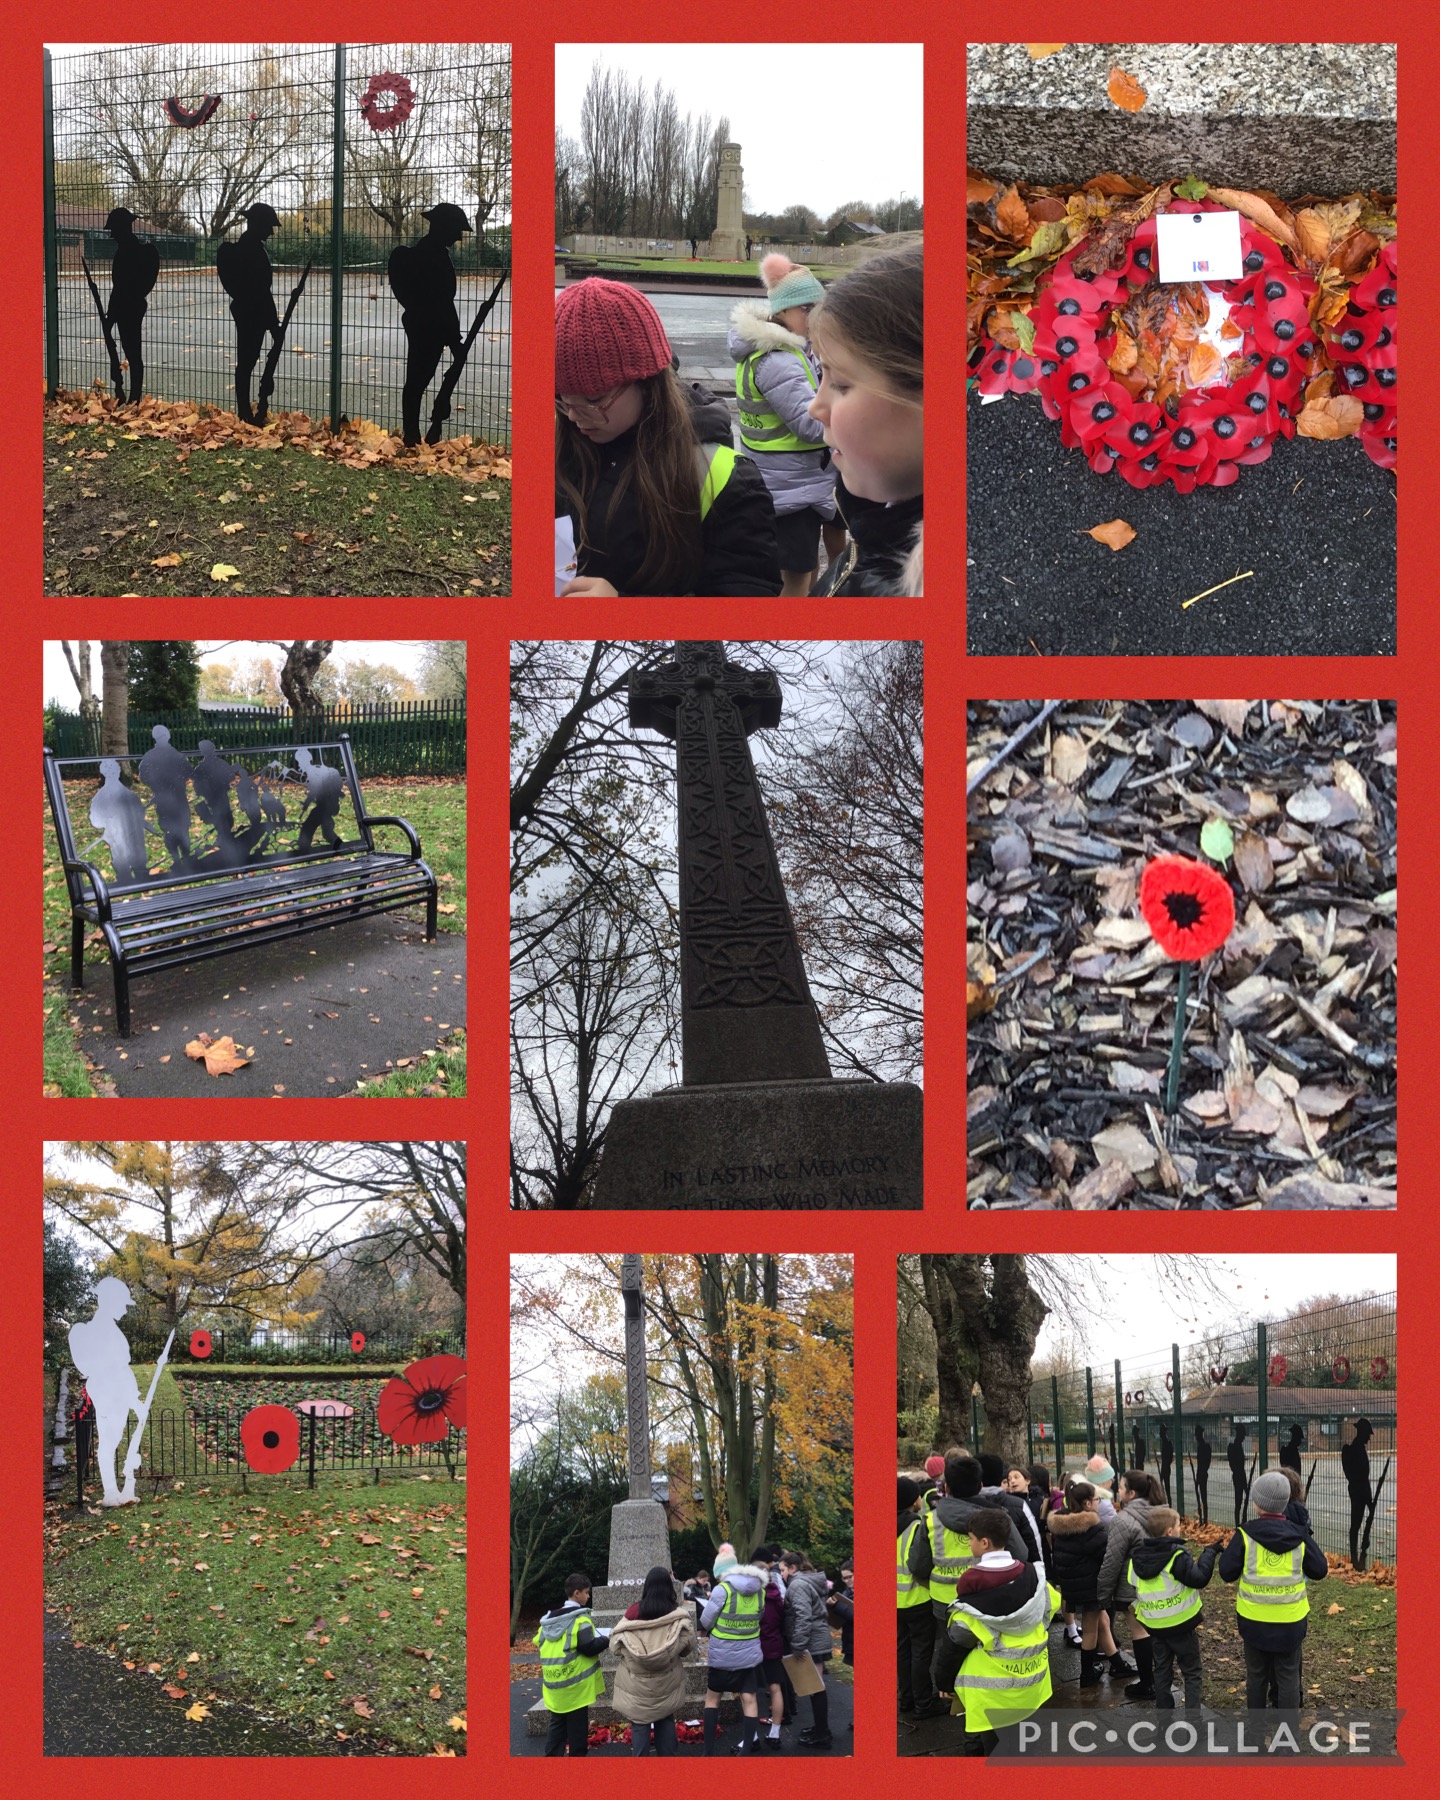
<point>1077,1543</point>
<point>881,537</point>
<point>739,555</point>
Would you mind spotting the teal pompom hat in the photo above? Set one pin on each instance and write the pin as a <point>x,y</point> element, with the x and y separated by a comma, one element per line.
<point>788,284</point>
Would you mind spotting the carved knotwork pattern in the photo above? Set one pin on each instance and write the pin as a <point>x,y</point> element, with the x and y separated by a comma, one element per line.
<point>739,942</point>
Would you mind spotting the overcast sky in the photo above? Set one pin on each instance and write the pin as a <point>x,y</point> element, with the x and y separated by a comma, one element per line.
<point>1146,1318</point>
<point>817,124</point>
<point>402,655</point>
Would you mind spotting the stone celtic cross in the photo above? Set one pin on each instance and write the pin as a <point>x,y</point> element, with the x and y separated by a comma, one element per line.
<point>637,1405</point>
<point>746,1010</point>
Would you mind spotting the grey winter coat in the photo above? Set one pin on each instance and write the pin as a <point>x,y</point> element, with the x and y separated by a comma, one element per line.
<point>807,1623</point>
<point>1126,1530</point>
<point>734,1653</point>
<point>795,478</point>
<point>650,1658</point>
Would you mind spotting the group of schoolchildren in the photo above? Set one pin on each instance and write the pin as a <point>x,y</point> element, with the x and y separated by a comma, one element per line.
<point>989,1556</point>
<point>829,386</point>
<point>753,1616</point>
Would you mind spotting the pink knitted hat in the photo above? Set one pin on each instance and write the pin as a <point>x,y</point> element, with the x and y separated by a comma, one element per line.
<point>606,332</point>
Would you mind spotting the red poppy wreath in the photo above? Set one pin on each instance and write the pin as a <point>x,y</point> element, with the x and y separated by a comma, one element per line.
<point>1207,413</point>
<point>402,102</point>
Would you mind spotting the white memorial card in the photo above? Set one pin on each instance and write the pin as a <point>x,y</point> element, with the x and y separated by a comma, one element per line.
<point>1199,246</point>
<point>565,559</point>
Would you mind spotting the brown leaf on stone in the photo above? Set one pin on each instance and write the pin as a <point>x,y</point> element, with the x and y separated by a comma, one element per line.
<point>220,1056</point>
<point>1125,1144</point>
<point>1069,759</point>
<point>1208,1107</point>
<point>1324,1102</point>
<point>1116,187</point>
<point>1354,257</point>
<point>1314,234</point>
<point>1232,714</point>
<point>1038,52</point>
<point>1309,1193</point>
<point>1125,91</point>
<point>1204,363</point>
<point>1252,862</point>
<point>978,188</point>
<point>1116,534</point>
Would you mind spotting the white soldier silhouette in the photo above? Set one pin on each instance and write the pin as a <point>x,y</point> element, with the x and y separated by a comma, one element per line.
<point>101,1352</point>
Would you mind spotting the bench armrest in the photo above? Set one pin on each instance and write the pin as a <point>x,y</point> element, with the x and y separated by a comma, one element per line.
<point>97,882</point>
<point>410,833</point>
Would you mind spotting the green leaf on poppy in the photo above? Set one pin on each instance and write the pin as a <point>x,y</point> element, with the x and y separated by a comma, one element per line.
<point>1192,188</point>
<point>1217,840</point>
<point>1048,238</point>
<point>1024,330</point>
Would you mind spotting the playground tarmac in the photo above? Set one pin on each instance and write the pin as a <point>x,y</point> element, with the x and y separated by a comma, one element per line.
<point>320,1012</point>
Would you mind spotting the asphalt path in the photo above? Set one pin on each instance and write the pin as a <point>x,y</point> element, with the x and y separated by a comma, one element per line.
<point>320,1012</point>
<point>1316,524</point>
<point>189,347</point>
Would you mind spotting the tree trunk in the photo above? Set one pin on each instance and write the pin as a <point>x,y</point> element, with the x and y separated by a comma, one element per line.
<point>999,1314</point>
<point>303,660</point>
<point>955,1363</point>
<point>115,710</point>
<point>79,661</point>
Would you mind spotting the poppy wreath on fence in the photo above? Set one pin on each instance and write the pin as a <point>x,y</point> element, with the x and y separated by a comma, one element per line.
<point>402,102</point>
<point>1363,347</point>
<point>189,117</point>
<point>1340,1369</point>
<point>1214,429</point>
<point>1379,1368</point>
<point>1279,1369</point>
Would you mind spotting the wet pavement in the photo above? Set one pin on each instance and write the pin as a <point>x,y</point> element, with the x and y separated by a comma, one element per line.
<point>95,1706</point>
<point>524,1694</point>
<point>320,1012</point>
<point>189,347</point>
<point>1315,524</point>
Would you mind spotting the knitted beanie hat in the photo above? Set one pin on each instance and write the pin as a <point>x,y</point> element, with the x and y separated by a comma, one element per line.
<point>907,1492</point>
<point>1098,1472</point>
<point>934,1467</point>
<point>1270,1492</point>
<point>606,332</point>
<point>725,1561</point>
<point>788,284</point>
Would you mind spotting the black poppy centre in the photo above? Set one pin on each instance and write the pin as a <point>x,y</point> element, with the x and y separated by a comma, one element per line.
<point>271,1440</point>
<point>431,1400</point>
<point>1184,910</point>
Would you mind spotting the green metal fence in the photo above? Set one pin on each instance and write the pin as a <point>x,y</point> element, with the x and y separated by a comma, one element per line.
<point>390,738</point>
<point>306,129</point>
<point>1256,1397</point>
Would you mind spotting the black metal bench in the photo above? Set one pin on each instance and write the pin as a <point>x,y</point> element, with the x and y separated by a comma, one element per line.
<point>170,879</point>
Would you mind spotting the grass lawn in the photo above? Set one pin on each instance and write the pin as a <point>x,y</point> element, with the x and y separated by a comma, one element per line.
<point>341,1610</point>
<point>288,521</point>
<point>436,808</point>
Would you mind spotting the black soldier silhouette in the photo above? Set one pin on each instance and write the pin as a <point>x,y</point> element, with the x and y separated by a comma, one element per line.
<point>243,266</point>
<point>324,790</point>
<point>1137,1441</point>
<point>118,814</point>
<point>134,271</point>
<point>1355,1466</point>
<point>422,279</point>
<point>1114,1451</point>
<point>101,1352</point>
<point>166,772</point>
<point>1167,1457</point>
<point>1203,1454</point>
<point>1235,1456</point>
<point>1291,1448</point>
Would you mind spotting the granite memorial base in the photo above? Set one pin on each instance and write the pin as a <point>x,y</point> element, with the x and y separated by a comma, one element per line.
<point>780,1146</point>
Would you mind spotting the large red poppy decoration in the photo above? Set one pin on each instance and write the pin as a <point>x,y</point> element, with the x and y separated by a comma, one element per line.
<point>1363,349</point>
<point>421,1406</point>
<point>1379,1368</point>
<point>1202,434</point>
<point>1187,905</point>
<point>400,94</point>
<point>1279,1368</point>
<point>357,1341</point>
<point>200,1345</point>
<point>271,1438</point>
<point>1340,1369</point>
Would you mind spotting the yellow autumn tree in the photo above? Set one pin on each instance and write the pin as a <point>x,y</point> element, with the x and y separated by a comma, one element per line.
<point>183,1236</point>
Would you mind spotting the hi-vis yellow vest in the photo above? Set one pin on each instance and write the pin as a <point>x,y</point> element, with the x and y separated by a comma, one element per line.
<point>950,1552</point>
<point>761,428</point>
<point>1161,1599</point>
<point>908,1591</point>
<point>1273,1584</point>
<point>570,1680</point>
<point>717,465</point>
<point>1006,1677</point>
<point>739,1617</point>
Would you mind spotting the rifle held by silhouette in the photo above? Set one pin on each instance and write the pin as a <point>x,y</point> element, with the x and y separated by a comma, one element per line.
<point>107,328</point>
<point>1370,1516</point>
<point>267,377</point>
<point>440,411</point>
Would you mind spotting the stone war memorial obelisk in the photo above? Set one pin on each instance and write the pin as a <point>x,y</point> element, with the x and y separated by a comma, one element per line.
<point>727,240</point>
<point>639,1529</point>
<point>757,1120</point>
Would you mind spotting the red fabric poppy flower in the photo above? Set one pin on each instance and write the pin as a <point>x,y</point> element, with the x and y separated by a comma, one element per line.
<point>271,1437</point>
<point>1187,905</point>
<point>1363,348</point>
<point>200,1345</point>
<point>420,1406</point>
<point>357,1341</point>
